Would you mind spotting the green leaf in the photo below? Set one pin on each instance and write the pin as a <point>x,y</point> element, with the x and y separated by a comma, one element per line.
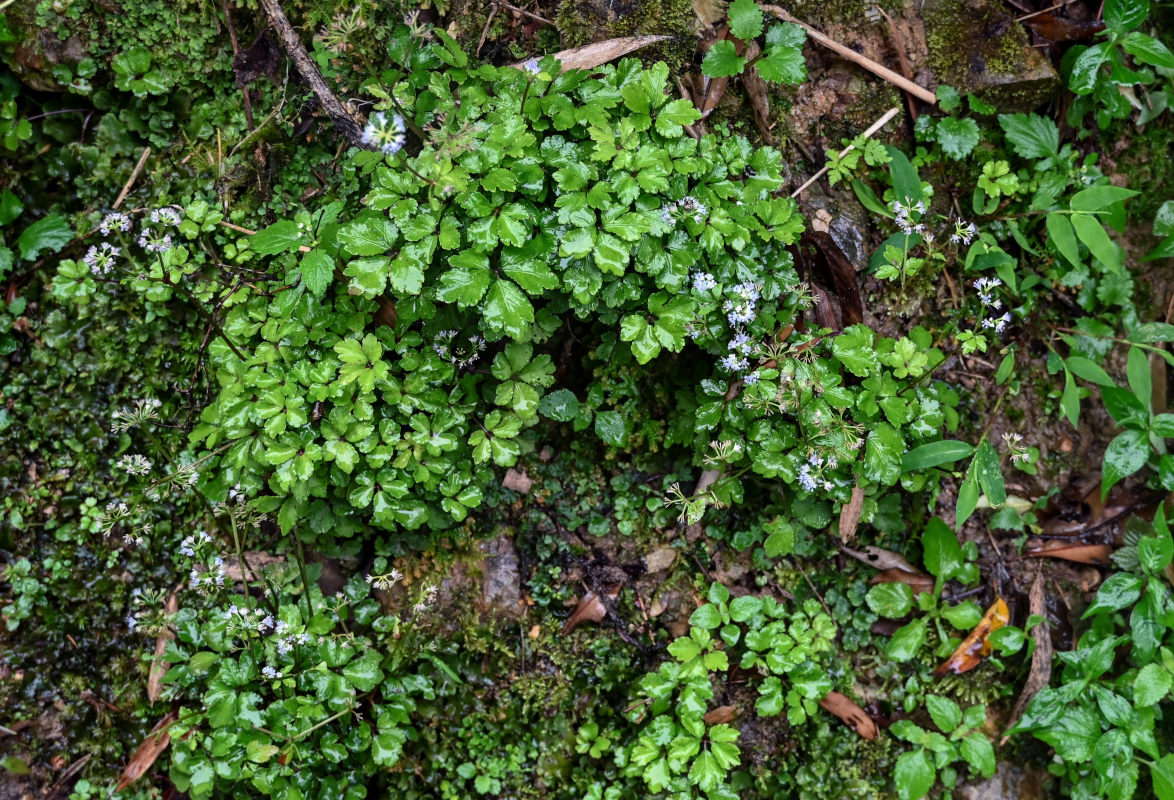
<point>1152,685</point>
<point>610,427</point>
<point>1073,735</point>
<point>368,235</point>
<point>958,137</point>
<point>783,64</point>
<point>1162,774</point>
<point>506,308</point>
<point>11,208</point>
<point>914,775</point>
<point>745,607</point>
<point>943,555</point>
<point>745,19</point>
<point>317,272</point>
<point>1063,236</point>
<point>364,673</point>
<point>968,495</point>
<point>1125,15</point>
<point>1090,231</point>
<point>1125,455</point>
<point>1030,135</point>
<point>976,749</point>
<point>1152,332</point>
<point>722,60</point>
<point>1086,68</point>
<point>906,183</point>
<point>560,405</point>
<point>49,233</point>
<point>707,617</point>
<point>1095,198</point>
<point>1117,592</point>
<point>906,641</point>
<point>1137,370</point>
<point>964,615</point>
<point>280,237</point>
<point>891,600</point>
<point>944,712</point>
<point>675,114</point>
<point>934,454</point>
<point>990,473</point>
<point>706,773</point>
<point>1088,370</point>
<point>684,648</point>
<point>882,455</point>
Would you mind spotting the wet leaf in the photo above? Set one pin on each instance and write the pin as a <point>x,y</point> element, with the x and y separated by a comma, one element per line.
<point>852,715</point>
<point>850,514</point>
<point>882,559</point>
<point>1070,551</point>
<point>976,646</point>
<point>1040,673</point>
<point>918,582</point>
<point>147,752</point>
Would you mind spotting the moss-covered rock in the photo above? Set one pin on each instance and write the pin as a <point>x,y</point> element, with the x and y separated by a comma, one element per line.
<point>976,47</point>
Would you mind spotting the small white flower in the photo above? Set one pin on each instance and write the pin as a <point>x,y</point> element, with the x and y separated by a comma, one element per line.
<point>751,379</point>
<point>703,282</point>
<point>805,479</point>
<point>270,673</point>
<point>154,242</point>
<point>134,465</point>
<point>165,216</point>
<point>115,221</point>
<point>531,66</point>
<point>101,259</point>
<point>388,137</point>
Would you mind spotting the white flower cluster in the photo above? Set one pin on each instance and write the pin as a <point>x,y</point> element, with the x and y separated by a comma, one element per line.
<point>985,288</point>
<point>531,66</point>
<point>902,213</point>
<point>964,232</point>
<point>188,546</point>
<point>462,356</point>
<point>384,135</point>
<point>126,418</point>
<point>742,309</point>
<point>213,576</point>
<point>385,581</point>
<point>703,282</point>
<point>426,599</point>
<point>811,480</point>
<point>115,221</point>
<point>134,465</point>
<point>101,259</point>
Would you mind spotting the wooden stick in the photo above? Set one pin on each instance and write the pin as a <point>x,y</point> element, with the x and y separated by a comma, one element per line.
<point>347,125</point>
<point>876,126</point>
<point>485,31</point>
<point>1043,10</point>
<point>879,70</point>
<point>134,176</point>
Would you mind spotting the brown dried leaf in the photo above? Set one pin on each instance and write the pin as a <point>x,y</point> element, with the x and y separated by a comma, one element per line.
<point>1069,551</point>
<point>159,667</point>
<point>1040,673</point>
<point>853,715</point>
<point>720,714</point>
<point>918,582</point>
<point>977,645</point>
<point>850,514</point>
<point>881,559</point>
<point>590,609</point>
<point>1062,29</point>
<point>517,481</point>
<point>592,55</point>
<point>151,748</point>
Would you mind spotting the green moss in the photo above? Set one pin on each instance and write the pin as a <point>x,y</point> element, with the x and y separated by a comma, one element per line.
<point>581,23</point>
<point>977,47</point>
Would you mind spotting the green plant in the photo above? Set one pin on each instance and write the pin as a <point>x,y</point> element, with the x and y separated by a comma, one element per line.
<point>781,58</point>
<point>1098,73</point>
<point>675,749</point>
<point>1116,683</point>
<point>959,740</point>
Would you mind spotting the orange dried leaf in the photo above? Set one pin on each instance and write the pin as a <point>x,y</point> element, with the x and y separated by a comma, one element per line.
<point>590,609</point>
<point>1070,551</point>
<point>151,748</point>
<point>852,715</point>
<point>977,645</point>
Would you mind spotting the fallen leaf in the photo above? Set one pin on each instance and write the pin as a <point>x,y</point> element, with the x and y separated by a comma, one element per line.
<point>881,559</point>
<point>592,55</point>
<point>517,481</point>
<point>1040,673</point>
<point>918,582</point>
<point>159,667</point>
<point>756,91</point>
<point>977,645</point>
<point>850,514</point>
<point>257,560</point>
<point>590,609</point>
<point>1062,29</point>
<point>155,743</point>
<point>852,715</point>
<point>660,559</point>
<point>720,714</point>
<point>1069,551</point>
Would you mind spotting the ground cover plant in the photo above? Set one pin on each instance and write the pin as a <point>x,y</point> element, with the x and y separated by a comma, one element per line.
<point>398,403</point>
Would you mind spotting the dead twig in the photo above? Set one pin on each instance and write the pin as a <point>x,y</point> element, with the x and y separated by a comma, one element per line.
<point>485,30</point>
<point>876,126</point>
<point>134,176</point>
<point>522,11</point>
<point>879,70</point>
<point>347,125</point>
<point>1044,10</point>
<point>235,52</point>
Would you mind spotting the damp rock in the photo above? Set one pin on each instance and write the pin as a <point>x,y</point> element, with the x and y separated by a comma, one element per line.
<point>501,592</point>
<point>40,59</point>
<point>977,47</point>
